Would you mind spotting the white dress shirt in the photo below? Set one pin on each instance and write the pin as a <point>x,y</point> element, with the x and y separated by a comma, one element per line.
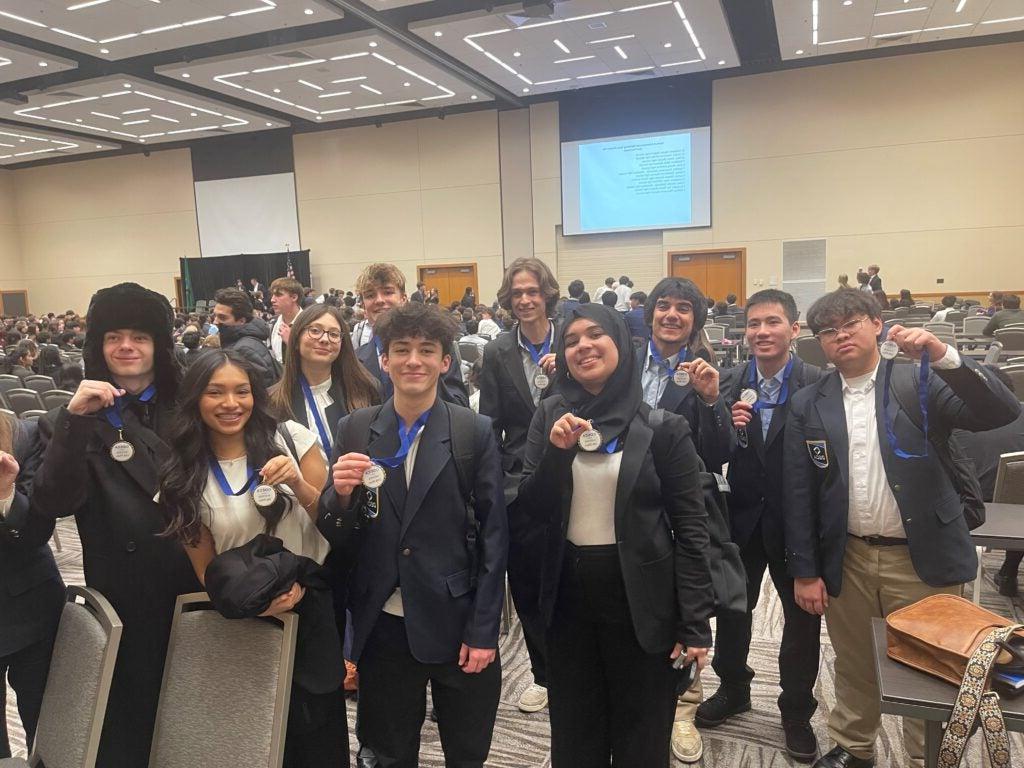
<point>873,510</point>
<point>595,476</point>
<point>655,378</point>
<point>5,504</point>
<point>393,604</point>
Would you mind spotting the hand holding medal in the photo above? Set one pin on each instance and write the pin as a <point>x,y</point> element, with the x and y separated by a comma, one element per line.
<point>912,342</point>
<point>347,473</point>
<point>568,430</point>
<point>703,377</point>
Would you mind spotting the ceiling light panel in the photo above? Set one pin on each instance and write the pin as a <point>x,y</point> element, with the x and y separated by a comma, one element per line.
<point>587,42</point>
<point>126,28</point>
<point>17,63</point>
<point>342,78</point>
<point>387,5</point>
<point>134,110</point>
<point>20,144</point>
<point>810,28</point>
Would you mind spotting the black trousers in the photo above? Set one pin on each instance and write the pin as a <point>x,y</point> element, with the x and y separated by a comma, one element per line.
<point>525,542</point>
<point>611,703</point>
<point>800,650</point>
<point>392,702</point>
<point>26,671</point>
<point>317,735</point>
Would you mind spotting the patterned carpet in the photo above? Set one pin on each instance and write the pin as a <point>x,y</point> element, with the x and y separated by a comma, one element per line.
<point>753,740</point>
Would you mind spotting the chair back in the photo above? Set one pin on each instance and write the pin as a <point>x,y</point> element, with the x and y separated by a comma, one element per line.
<point>1016,374</point>
<point>923,310</point>
<point>1012,339</point>
<point>1009,487</point>
<point>946,338</point>
<point>808,349</point>
<point>9,381</point>
<point>887,314</point>
<point>55,398</point>
<point>469,351</point>
<point>955,317</point>
<point>21,400</point>
<point>226,689</point>
<point>31,415</point>
<point>715,332</point>
<point>940,327</point>
<point>40,383</point>
<point>900,311</point>
<point>78,685</point>
<point>1015,361</point>
<point>975,326</point>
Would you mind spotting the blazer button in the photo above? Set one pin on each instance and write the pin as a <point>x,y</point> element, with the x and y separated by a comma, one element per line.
<point>130,546</point>
<point>896,487</point>
<point>406,552</point>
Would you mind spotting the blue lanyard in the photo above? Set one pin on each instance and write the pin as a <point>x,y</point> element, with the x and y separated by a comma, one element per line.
<point>662,362</point>
<point>783,392</point>
<point>308,392</point>
<point>376,343</point>
<point>922,396</point>
<point>113,413</point>
<point>222,481</point>
<point>406,438</point>
<point>545,347</point>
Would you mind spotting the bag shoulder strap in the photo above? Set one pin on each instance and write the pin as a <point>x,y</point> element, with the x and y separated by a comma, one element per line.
<point>282,430</point>
<point>462,428</point>
<point>357,429</point>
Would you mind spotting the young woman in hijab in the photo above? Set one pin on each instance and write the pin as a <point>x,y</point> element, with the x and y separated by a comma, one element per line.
<point>226,446</point>
<point>625,587</point>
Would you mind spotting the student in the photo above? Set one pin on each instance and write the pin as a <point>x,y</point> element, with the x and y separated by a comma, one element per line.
<point>635,317</point>
<point>625,586</point>
<point>420,294</point>
<point>1010,314</point>
<point>100,460</point>
<point>286,299</point>
<point>240,330</point>
<point>426,600</point>
<point>382,287</point>
<point>873,521</point>
<point>874,280</point>
<point>756,514</point>
<point>32,598</point>
<point>948,305</point>
<point>225,444</point>
<point>567,304</point>
<point>21,360</point>
<point>517,371</point>
<point>487,327</point>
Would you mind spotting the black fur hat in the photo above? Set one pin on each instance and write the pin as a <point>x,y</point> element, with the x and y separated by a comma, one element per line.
<point>129,305</point>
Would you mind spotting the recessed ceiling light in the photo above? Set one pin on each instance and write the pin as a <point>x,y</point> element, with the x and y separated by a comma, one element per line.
<point>104,50</point>
<point>308,11</point>
<point>186,75</point>
<point>78,119</point>
<point>438,33</point>
<point>277,90</point>
<point>318,117</point>
<point>800,52</point>
<point>847,2</point>
<point>526,90</point>
<point>142,140</point>
<point>721,62</point>
<point>43,64</point>
<point>270,125</point>
<point>373,43</point>
<point>406,84</point>
<point>473,97</point>
<point>194,114</point>
<point>126,85</point>
<point>517,54</point>
<point>668,45</point>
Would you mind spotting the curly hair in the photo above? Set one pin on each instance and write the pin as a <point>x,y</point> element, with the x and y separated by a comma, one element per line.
<point>415,320</point>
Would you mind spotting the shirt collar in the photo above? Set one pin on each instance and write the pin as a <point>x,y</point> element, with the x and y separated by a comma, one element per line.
<point>672,361</point>
<point>863,383</point>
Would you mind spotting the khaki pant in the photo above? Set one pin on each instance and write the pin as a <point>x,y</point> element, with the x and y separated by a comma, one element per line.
<point>876,581</point>
<point>686,706</point>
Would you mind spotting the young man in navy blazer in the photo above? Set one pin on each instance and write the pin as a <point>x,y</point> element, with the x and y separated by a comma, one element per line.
<point>421,611</point>
<point>873,520</point>
<point>756,513</point>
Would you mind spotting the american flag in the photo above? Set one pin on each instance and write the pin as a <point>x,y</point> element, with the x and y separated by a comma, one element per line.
<point>291,269</point>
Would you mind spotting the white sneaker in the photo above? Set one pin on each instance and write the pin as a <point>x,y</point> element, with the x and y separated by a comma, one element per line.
<point>534,698</point>
<point>686,742</point>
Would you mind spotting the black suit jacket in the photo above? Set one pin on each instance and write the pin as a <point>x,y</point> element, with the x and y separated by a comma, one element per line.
<point>661,526</point>
<point>817,495</point>
<point>418,540</point>
<point>755,471</point>
<point>505,397</point>
<point>451,388</point>
<point>31,589</point>
<point>710,426</point>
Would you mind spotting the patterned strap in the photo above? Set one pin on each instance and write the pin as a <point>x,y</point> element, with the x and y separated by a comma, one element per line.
<point>972,699</point>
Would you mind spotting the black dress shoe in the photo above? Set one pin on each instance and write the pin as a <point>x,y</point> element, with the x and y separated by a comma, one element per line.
<point>1006,583</point>
<point>801,743</point>
<point>724,704</point>
<point>840,758</point>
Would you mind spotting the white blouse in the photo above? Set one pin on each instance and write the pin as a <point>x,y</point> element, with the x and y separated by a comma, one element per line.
<point>322,400</point>
<point>595,476</point>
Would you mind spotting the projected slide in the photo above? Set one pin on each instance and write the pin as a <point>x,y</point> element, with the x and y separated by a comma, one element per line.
<point>651,181</point>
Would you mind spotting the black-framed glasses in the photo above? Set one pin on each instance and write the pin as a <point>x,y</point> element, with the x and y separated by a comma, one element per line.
<point>315,332</point>
<point>850,327</point>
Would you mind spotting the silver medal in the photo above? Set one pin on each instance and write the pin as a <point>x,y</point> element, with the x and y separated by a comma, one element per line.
<point>748,396</point>
<point>541,380</point>
<point>373,476</point>
<point>889,349</point>
<point>589,439</point>
<point>264,495</point>
<point>122,451</point>
<point>681,377</point>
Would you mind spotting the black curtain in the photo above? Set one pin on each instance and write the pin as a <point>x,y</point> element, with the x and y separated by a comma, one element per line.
<point>209,274</point>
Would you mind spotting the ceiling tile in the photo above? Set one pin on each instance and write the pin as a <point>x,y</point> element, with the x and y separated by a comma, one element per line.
<point>19,144</point>
<point>17,63</point>
<point>135,110</point>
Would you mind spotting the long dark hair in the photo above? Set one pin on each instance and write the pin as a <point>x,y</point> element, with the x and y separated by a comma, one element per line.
<point>183,476</point>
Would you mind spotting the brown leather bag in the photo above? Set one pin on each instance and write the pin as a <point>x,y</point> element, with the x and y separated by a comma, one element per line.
<point>958,641</point>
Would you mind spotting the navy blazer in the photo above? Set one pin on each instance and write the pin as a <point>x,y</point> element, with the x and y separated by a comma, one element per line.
<point>816,471</point>
<point>710,426</point>
<point>755,471</point>
<point>418,540</point>
<point>31,589</point>
<point>451,388</point>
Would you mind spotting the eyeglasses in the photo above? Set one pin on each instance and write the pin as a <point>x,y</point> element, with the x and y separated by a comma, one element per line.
<point>849,328</point>
<point>315,332</point>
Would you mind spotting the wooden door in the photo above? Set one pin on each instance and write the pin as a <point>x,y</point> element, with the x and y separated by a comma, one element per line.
<point>451,281</point>
<point>14,303</point>
<point>717,273</point>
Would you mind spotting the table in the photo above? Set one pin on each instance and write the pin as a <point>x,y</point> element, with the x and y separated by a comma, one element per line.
<point>906,692</point>
<point>1003,529</point>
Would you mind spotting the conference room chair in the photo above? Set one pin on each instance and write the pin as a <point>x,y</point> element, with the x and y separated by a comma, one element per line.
<point>9,349</point>
<point>941,327</point>
<point>54,398</point>
<point>956,318</point>
<point>975,326</point>
<point>808,349</point>
<point>910,321</point>
<point>1009,486</point>
<point>1012,339</point>
<point>1016,374</point>
<point>8,412</point>
<point>226,688</point>
<point>946,338</point>
<point>887,314</point>
<point>39,383</point>
<point>21,400</point>
<point>715,332</point>
<point>470,351</point>
<point>77,687</point>
<point>1015,361</point>
<point>900,311</point>
<point>9,381</point>
<point>921,310</point>
<point>32,414</point>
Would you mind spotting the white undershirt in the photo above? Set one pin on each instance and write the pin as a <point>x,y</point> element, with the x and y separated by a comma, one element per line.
<point>595,477</point>
<point>393,604</point>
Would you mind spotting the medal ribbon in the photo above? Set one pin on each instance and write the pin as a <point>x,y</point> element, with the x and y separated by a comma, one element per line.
<point>662,362</point>
<point>113,413</point>
<point>760,405</point>
<point>325,438</point>
<point>406,437</point>
<point>545,347</point>
<point>608,447</point>
<point>222,481</point>
<point>922,396</point>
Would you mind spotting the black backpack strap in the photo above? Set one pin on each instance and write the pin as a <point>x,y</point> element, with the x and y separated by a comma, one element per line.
<point>282,430</point>
<point>462,428</point>
<point>357,429</point>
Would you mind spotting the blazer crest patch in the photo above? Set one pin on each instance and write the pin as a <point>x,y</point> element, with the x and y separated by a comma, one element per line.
<point>818,450</point>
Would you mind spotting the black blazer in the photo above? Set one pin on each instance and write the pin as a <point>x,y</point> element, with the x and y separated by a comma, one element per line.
<point>710,426</point>
<point>451,388</point>
<point>505,397</point>
<point>755,472</point>
<point>418,540</point>
<point>817,495</point>
<point>334,412</point>
<point>660,525</point>
<point>31,589</point>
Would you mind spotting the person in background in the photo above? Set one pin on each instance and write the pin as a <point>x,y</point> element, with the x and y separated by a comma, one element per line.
<point>190,340</point>
<point>874,523</point>
<point>881,298</point>
<point>468,298</point>
<point>635,317</point>
<point>69,377</point>
<point>1010,314</point>
<point>255,286</point>
<point>844,281</point>
<point>21,360</point>
<point>874,280</point>
<point>906,299</point>
<point>622,292</point>
<point>420,294</point>
<point>609,285</point>
<point>711,307</point>
<point>584,298</point>
<point>863,281</point>
<point>948,304</point>
<point>610,299</point>
<point>625,586</point>
<point>286,294</point>
<point>995,303</point>
<point>243,332</point>
<point>566,305</point>
<point>732,308</point>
